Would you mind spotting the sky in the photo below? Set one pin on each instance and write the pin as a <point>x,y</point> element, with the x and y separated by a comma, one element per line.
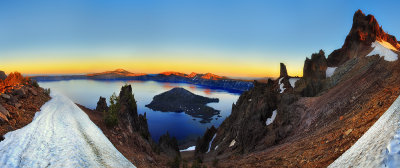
<point>246,38</point>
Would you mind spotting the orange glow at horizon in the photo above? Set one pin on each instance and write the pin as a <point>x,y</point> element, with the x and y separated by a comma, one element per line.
<point>84,65</point>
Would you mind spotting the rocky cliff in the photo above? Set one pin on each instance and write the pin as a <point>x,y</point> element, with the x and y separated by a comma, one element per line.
<point>364,31</point>
<point>327,110</point>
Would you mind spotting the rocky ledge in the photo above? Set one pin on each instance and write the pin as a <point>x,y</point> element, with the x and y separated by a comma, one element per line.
<point>182,100</point>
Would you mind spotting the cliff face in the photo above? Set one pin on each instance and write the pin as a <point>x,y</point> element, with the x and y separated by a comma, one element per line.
<point>364,31</point>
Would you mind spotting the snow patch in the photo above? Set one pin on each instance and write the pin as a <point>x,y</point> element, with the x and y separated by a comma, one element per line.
<point>209,145</point>
<point>383,49</point>
<point>216,147</point>
<point>192,148</point>
<point>232,143</point>
<point>293,81</point>
<point>270,120</point>
<point>281,85</point>
<point>61,135</point>
<point>372,149</point>
<point>330,71</point>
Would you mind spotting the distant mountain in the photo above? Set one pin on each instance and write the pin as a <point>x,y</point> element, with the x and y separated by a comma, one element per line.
<point>208,79</point>
<point>114,74</point>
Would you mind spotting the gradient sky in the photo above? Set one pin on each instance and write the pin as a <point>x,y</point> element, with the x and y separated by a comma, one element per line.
<point>226,37</point>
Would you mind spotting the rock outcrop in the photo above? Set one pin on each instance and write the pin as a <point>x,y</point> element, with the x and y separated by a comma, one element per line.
<point>102,105</point>
<point>20,99</point>
<point>203,143</point>
<point>247,126</point>
<point>364,31</point>
<point>3,75</point>
<point>283,71</point>
<point>169,145</point>
<point>314,74</point>
<point>128,115</point>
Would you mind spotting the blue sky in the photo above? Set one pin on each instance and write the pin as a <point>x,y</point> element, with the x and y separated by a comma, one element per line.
<point>253,35</point>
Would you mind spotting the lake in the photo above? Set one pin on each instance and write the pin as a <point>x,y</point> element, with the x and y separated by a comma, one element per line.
<point>184,127</point>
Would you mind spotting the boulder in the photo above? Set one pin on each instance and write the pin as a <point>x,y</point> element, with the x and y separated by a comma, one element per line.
<point>102,105</point>
<point>33,91</point>
<point>3,118</point>
<point>5,96</point>
<point>4,111</point>
<point>19,92</point>
<point>3,75</point>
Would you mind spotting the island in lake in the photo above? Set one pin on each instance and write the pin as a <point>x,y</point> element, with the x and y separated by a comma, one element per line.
<point>181,100</point>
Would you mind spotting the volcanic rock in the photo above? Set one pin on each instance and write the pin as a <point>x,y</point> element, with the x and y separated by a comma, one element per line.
<point>102,105</point>
<point>4,111</point>
<point>283,71</point>
<point>364,31</point>
<point>19,92</point>
<point>203,143</point>
<point>169,145</point>
<point>314,73</point>
<point>182,100</point>
<point>128,115</point>
<point>5,96</point>
<point>3,75</point>
<point>315,68</point>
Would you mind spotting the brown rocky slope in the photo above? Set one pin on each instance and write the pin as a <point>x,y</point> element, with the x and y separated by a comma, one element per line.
<point>312,131</point>
<point>20,99</point>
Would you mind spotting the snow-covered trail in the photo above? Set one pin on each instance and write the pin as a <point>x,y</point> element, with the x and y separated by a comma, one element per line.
<point>379,146</point>
<point>61,135</point>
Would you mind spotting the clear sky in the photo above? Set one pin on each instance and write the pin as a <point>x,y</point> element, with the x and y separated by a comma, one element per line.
<point>226,37</point>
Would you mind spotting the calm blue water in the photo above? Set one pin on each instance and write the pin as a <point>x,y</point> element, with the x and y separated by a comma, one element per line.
<point>180,125</point>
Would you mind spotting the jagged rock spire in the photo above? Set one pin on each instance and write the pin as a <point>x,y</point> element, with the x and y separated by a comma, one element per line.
<point>283,72</point>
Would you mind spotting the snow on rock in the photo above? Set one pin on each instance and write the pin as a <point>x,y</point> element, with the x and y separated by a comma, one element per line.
<point>281,85</point>
<point>271,120</point>
<point>372,149</point>
<point>209,145</point>
<point>383,49</point>
<point>232,143</point>
<point>61,135</point>
<point>293,81</point>
<point>330,71</point>
<point>216,147</point>
<point>192,148</point>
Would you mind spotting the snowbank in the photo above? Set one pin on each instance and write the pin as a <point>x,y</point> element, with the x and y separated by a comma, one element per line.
<point>61,135</point>
<point>293,81</point>
<point>383,49</point>
<point>271,120</point>
<point>232,143</point>
<point>330,71</point>
<point>281,85</point>
<point>209,145</point>
<point>192,148</point>
<point>371,149</point>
